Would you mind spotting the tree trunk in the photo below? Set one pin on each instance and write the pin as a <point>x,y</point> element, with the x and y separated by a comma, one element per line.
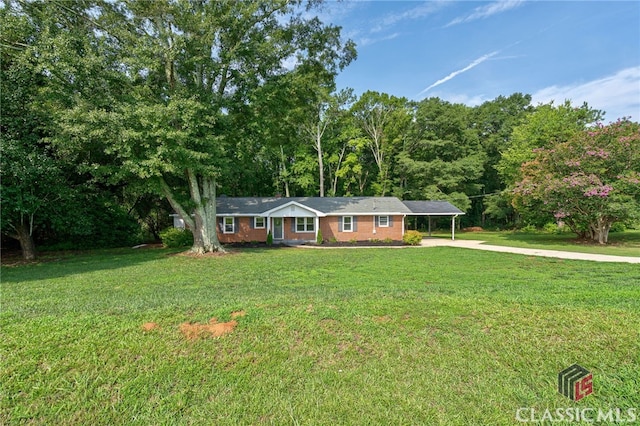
<point>203,224</point>
<point>205,235</point>
<point>320,161</point>
<point>23,235</point>
<point>600,231</point>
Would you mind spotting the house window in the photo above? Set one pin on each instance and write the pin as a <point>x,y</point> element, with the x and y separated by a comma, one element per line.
<point>383,221</point>
<point>305,224</point>
<point>258,222</point>
<point>229,223</point>
<point>347,223</point>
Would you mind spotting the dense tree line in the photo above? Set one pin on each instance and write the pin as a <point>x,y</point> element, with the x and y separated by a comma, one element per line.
<point>115,114</point>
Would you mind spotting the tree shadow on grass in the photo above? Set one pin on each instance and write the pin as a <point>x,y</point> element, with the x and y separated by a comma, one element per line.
<point>56,264</point>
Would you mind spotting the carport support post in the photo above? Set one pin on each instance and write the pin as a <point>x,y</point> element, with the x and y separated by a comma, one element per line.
<point>429,220</point>
<point>453,227</point>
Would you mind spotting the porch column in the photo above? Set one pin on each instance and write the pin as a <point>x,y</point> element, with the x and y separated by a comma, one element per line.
<point>429,220</point>
<point>317,222</point>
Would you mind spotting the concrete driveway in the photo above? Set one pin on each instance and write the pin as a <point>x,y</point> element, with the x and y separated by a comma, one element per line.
<point>479,245</point>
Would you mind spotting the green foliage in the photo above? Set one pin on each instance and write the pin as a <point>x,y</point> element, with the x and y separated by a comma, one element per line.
<point>269,238</point>
<point>589,182</point>
<point>442,159</point>
<point>547,126</point>
<point>319,239</point>
<point>176,237</point>
<point>412,238</point>
<point>618,227</point>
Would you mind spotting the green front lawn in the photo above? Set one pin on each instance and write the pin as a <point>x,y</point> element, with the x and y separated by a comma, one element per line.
<point>625,243</point>
<point>360,336</point>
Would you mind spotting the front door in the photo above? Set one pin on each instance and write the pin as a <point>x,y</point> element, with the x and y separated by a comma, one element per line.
<point>278,229</point>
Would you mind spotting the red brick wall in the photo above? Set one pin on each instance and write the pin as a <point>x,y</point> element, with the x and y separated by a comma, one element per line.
<point>243,232</point>
<point>364,229</point>
<point>329,226</point>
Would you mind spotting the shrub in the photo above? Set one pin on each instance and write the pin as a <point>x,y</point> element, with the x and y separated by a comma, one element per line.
<point>176,237</point>
<point>529,229</point>
<point>618,227</point>
<point>412,238</point>
<point>388,240</point>
<point>554,228</point>
<point>319,237</point>
<point>269,238</point>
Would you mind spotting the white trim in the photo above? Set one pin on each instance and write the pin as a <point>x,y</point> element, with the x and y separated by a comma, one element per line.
<point>435,214</point>
<point>306,224</point>
<point>224,224</point>
<point>292,203</point>
<point>264,222</point>
<point>369,214</point>
<point>350,224</point>
<point>380,225</point>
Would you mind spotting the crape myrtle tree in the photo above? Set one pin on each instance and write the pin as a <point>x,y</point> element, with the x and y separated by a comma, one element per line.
<point>196,71</point>
<point>545,127</point>
<point>588,182</point>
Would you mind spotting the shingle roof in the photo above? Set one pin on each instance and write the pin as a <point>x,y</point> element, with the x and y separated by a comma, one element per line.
<point>326,205</point>
<point>432,208</point>
<point>336,205</point>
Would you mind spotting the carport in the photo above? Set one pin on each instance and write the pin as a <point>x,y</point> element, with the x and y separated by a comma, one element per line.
<point>437,209</point>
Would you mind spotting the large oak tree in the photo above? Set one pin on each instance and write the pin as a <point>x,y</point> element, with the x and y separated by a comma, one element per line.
<point>199,76</point>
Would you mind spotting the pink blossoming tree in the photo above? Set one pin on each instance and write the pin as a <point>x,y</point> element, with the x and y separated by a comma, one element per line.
<point>589,182</point>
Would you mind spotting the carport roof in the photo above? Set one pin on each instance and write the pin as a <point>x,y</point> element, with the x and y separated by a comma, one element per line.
<point>432,208</point>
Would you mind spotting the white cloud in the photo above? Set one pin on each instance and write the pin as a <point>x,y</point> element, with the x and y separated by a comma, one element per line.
<point>365,41</point>
<point>482,12</point>
<point>473,64</point>
<point>424,9</point>
<point>618,94</point>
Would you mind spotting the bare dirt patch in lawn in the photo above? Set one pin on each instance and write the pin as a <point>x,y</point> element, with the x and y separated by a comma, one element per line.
<point>211,329</point>
<point>149,326</point>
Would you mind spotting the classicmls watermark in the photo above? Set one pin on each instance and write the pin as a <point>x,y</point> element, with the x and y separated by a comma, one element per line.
<point>577,414</point>
<point>575,382</point>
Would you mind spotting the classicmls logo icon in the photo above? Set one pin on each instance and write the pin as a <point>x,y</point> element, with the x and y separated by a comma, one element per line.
<point>575,382</point>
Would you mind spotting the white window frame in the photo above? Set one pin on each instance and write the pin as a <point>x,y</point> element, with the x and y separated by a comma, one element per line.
<point>225,230</point>
<point>383,225</point>
<point>344,223</point>
<point>255,222</point>
<point>308,224</point>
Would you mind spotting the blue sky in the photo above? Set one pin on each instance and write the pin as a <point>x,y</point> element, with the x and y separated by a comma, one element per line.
<point>471,51</point>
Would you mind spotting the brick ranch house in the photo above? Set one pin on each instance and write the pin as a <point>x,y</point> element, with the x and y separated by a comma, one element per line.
<point>298,219</point>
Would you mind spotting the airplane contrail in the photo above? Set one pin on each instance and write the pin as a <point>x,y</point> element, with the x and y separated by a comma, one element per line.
<point>458,72</point>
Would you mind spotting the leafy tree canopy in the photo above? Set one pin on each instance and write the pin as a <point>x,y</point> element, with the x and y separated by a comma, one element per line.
<point>589,182</point>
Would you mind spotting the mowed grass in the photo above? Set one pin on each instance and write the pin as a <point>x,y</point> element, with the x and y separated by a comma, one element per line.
<point>355,336</point>
<point>625,243</point>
